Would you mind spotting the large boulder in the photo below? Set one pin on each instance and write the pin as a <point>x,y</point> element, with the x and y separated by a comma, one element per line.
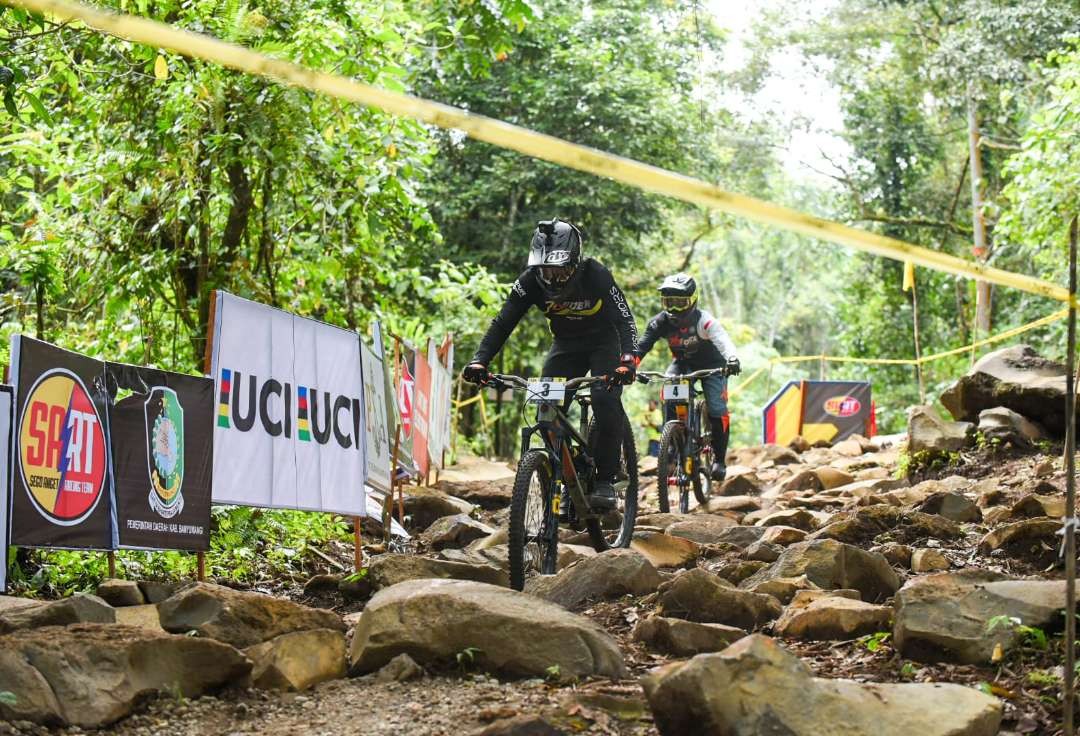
<point>457,530</point>
<point>390,570</point>
<point>829,565</point>
<point>78,609</point>
<point>612,574</point>
<point>952,506</point>
<point>298,660</point>
<point>1019,533</point>
<point>701,528</point>
<point>928,432</point>
<point>507,632</point>
<point>962,616</point>
<point>1005,425</point>
<point>819,614</point>
<point>1016,378</point>
<point>118,593</point>
<point>239,618</point>
<point>755,687</point>
<point>489,495</point>
<point>681,638</point>
<point>424,506</point>
<point>91,675</point>
<point>698,595</point>
<point>663,550</point>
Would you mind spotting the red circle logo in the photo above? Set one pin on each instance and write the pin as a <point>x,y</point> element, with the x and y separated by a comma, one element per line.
<point>62,448</point>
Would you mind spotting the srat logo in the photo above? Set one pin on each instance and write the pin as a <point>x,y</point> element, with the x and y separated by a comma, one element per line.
<point>61,448</point>
<point>842,406</point>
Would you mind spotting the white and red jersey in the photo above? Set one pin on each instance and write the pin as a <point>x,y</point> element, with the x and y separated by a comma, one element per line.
<point>697,340</point>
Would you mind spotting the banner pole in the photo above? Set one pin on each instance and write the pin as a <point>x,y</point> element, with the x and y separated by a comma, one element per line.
<point>358,552</point>
<point>1069,529</point>
<point>112,564</point>
<point>208,357</point>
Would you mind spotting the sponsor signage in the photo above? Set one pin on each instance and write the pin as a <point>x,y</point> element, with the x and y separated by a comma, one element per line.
<point>439,408</point>
<point>421,413</point>
<point>6,442</point>
<point>404,390</point>
<point>819,410</point>
<point>289,428</point>
<point>376,427</point>
<point>161,425</point>
<point>62,484</point>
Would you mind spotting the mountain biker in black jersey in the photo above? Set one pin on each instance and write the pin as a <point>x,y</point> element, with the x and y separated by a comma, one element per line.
<point>593,329</point>
<point>697,342</point>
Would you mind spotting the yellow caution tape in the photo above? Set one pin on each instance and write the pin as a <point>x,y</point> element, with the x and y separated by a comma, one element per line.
<point>531,143</point>
<point>466,402</point>
<point>1041,322</point>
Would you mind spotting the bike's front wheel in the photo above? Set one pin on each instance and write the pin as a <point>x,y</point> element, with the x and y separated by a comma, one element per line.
<point>669,463</point>
<point>626,493</point>
<point>533,534</point>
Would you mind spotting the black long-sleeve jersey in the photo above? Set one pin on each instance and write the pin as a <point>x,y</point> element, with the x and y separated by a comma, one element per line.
<point>592,311</point>
<point>697,341</point>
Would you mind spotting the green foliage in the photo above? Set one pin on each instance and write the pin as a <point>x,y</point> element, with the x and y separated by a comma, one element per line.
<point>553,673</point>
<point>873,642</point>
<point>1029,636</point>
<point>8,698</point>
<point>246,545</point>
<point>466,658</point>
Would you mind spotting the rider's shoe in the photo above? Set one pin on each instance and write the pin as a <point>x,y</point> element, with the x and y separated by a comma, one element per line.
<point>603,496</point>
<point>718,472</point>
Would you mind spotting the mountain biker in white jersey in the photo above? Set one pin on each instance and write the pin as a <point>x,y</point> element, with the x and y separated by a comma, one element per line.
<point>697,342</point>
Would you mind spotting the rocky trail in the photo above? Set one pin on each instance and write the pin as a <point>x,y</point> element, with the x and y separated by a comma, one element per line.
<point>900,585</point>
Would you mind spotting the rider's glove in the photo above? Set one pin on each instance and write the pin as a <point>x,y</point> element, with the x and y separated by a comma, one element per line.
<point>733,367</point>
<point>624,374</point>
<point>475,373</point>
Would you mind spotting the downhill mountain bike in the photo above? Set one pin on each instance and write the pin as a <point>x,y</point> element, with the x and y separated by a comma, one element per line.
<point>685,456</point>
<point>555,476</point>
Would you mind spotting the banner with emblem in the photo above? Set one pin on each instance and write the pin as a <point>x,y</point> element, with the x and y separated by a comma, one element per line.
<point>61,481</point>
<point>161,426</point>
<point>6,441</point>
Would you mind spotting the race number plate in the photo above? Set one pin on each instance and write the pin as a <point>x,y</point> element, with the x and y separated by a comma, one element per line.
<point>676,391</point>
<point>546,389</point>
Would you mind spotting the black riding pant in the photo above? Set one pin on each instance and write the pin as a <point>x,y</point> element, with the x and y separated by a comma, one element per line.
<point>572,359</point>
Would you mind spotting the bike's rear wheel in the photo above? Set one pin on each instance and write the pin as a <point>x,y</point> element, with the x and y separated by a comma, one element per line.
<point>669,462</point>
<point>626,493</point>
<point>533,534</point>
<point>702,481</point>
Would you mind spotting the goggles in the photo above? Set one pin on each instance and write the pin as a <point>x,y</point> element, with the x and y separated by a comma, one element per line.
<point>672,303</point>
<point>556,274</point>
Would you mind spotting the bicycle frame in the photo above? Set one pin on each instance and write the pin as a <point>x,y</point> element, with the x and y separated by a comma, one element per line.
<point>557,435</point>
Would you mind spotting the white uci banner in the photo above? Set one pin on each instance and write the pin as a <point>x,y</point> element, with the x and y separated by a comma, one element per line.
<point>289,431</point>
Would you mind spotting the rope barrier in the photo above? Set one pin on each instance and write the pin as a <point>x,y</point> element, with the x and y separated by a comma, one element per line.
<point>537,145</point>
<point>1041,322</point>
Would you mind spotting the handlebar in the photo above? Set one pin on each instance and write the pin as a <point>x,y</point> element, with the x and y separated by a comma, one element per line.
<point>647,376</point>
<point>503,380</point>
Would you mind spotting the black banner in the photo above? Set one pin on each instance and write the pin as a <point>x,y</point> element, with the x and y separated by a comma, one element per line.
<point>161,425</point>
<point>60,483</point>
<point>843,405</point>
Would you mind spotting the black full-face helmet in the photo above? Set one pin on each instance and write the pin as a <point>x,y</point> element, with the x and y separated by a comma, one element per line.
<point>555,253</point>
<point>678,294</point>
